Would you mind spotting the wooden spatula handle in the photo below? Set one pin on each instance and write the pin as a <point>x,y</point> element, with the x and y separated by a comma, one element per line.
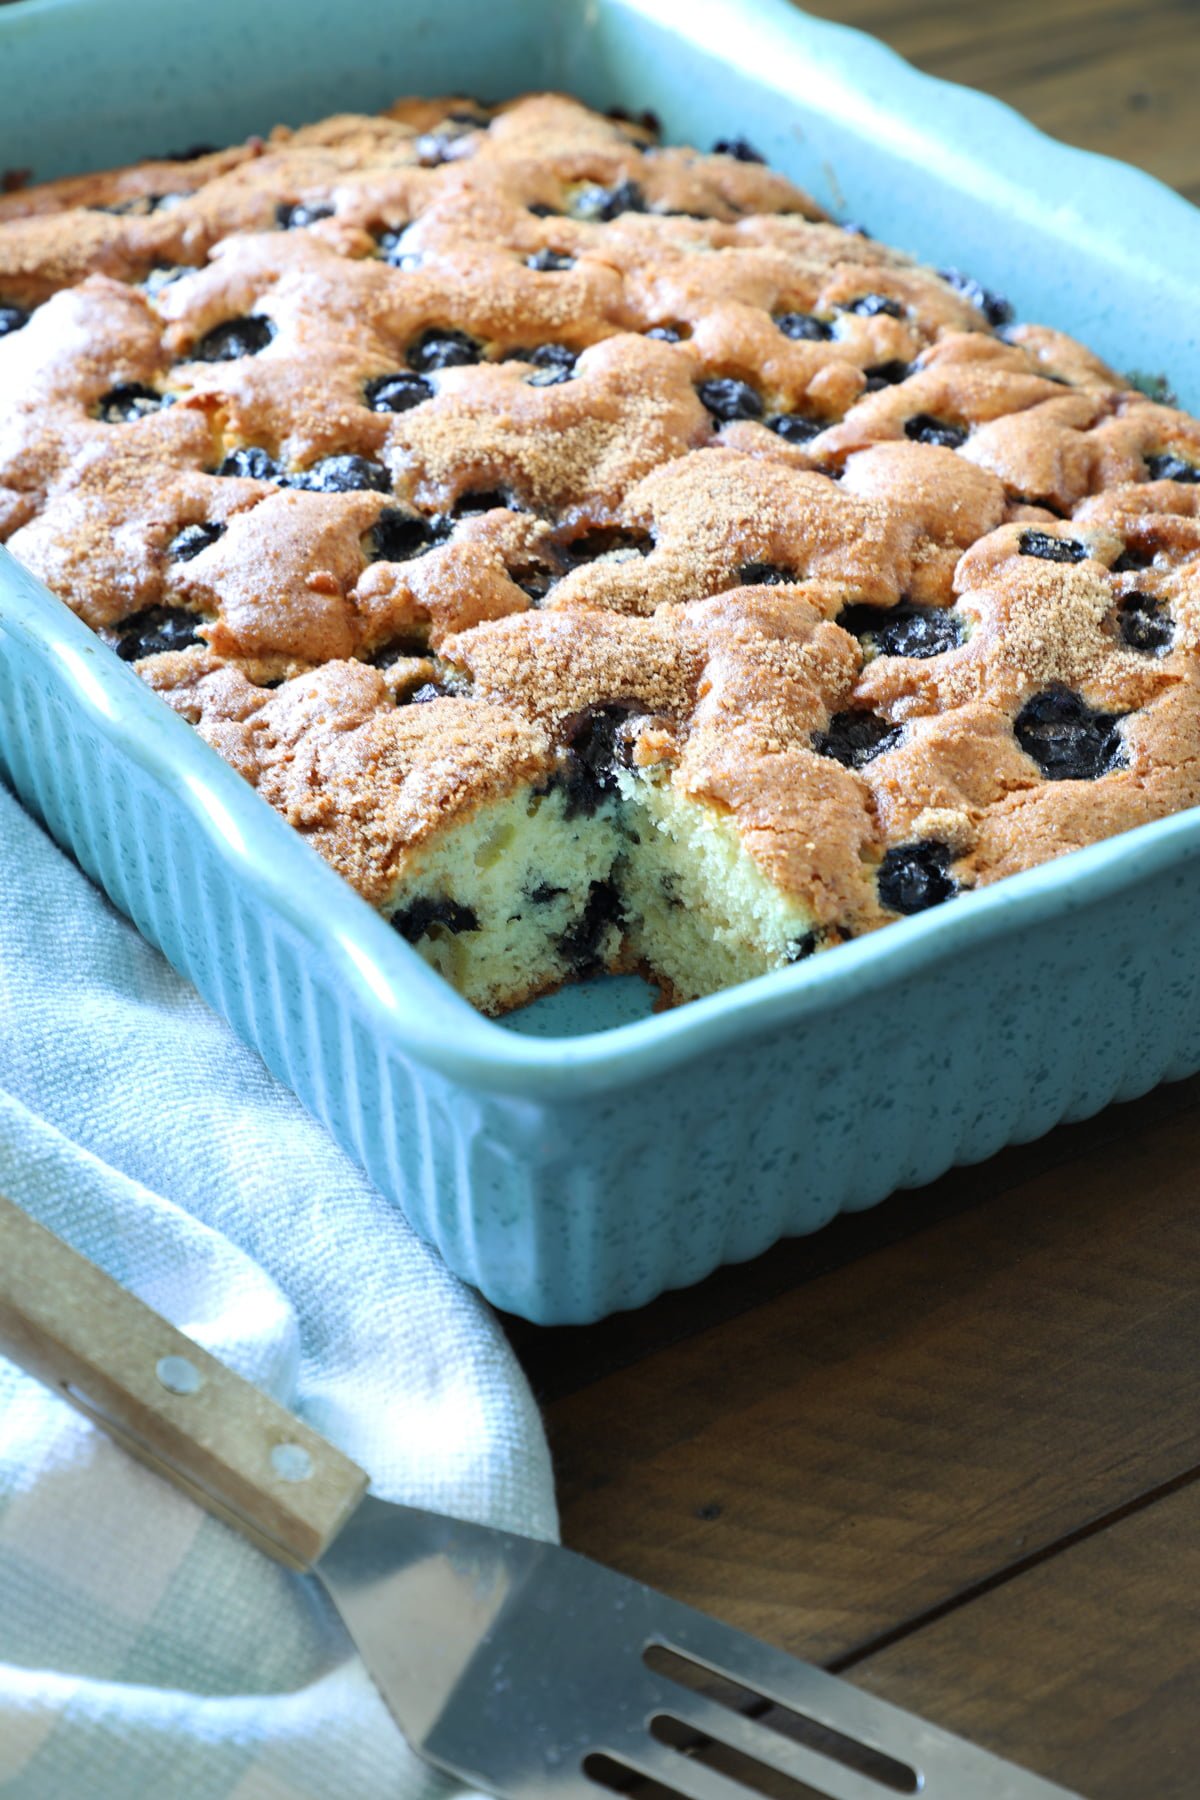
<point>166,1400</point>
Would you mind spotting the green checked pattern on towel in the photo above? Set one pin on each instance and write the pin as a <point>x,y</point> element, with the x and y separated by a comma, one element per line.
<point>145,1649</point>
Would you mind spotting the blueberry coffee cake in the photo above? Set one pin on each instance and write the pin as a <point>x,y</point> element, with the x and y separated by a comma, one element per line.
<point>605,560</point>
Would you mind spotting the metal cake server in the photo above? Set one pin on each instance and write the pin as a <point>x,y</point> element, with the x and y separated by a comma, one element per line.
<point>518,1666</point>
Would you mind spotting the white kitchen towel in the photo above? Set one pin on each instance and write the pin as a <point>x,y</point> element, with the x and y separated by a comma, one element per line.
<point>145,1649</point>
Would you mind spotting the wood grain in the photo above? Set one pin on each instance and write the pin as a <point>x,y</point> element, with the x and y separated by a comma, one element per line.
<point>1108,75</point>
<point>859,1450</point>
<point>1085,1668</point>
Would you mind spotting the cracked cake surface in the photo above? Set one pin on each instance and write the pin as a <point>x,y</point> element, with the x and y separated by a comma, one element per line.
<point>604,559</point>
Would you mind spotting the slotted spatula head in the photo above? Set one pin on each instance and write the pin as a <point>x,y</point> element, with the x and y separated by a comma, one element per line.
<point>534,1672</point>
<point>516,1665</point>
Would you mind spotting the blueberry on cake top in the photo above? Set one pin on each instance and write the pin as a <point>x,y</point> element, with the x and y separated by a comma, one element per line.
<point>604,559</point>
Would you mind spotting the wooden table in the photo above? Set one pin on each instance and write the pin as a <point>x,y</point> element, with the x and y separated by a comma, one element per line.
<point>952,1447</point>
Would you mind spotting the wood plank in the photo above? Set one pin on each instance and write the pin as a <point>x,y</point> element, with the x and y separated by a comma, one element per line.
<point>1108,75</point>
<point>1086,1669</point>
<point>860,1450</point>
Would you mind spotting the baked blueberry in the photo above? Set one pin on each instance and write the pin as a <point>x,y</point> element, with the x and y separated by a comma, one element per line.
<point>606,540</point>
<point>397,393</point>
<point>420,916</point>
<point>764,574</point>
<point>669,334</point>
<point>856,738</point>
<point>886,374</point>
<point>602,204</point>
<point>913,877</point>
<point>994,307</point>
<point>535,582</point>
<point>391,244</point>
<point>297,215</point>
<point>804,327</point>
<point>738,148</point>
<point>253,463</point>
<point>540,210</point>
<point>343,475</point>
<point>1066,738</point>
<point>728,399</point>
<point>1131,560</point>
<point>870,306</point>
<point>596,749</point>
<point>444,348</point>
<point>580,944</point>
<point>801,948</point>
<point>552,363</point>
<point>475,501</point>
<point>688,212</point>
<point>924,428</point>
<point>405,645</point>
<point>192,540</point>
<point>547,262</point>
<point>794,428</point>
<point>905,630</point>
<point>12,318</point>
<point>1167,466</point>
<point>647,119</point>
<point>1051,549</point>
<point>398,536</point>
<point>140,205</point>
<point>155,630</point>
<point>1145,624</point>
<point>192,154</point>
<point>234,338</point>
<point>435,147</point>
<point>128,402</point>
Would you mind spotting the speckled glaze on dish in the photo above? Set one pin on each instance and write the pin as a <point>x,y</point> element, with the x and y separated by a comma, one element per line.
<point>581,1156</point>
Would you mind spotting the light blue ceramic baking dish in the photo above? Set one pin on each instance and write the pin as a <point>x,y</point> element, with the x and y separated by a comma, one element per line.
<point>583,1156</point>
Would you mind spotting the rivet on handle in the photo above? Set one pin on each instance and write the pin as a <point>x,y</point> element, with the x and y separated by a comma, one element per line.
<point>291,1462</point>
<point>178,1375</point>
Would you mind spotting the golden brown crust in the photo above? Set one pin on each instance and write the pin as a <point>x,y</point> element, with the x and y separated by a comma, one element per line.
<point>364,779</point>
<point>562,514</point>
